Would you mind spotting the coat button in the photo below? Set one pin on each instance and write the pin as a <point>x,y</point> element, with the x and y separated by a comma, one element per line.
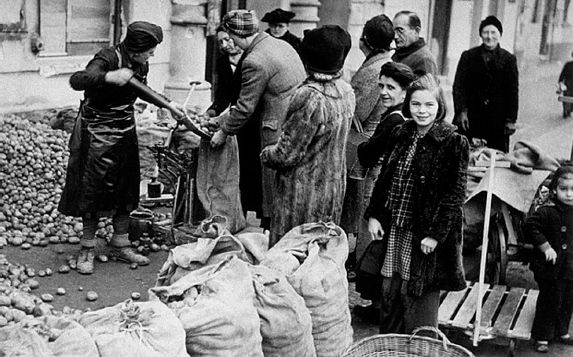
<point>564,246</point>
<point>563,229</point>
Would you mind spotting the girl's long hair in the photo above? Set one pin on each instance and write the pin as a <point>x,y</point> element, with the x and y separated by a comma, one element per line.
<point>430,83</point>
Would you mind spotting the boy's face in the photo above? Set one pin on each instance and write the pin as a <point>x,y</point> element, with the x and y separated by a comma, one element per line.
<point>564,190</point>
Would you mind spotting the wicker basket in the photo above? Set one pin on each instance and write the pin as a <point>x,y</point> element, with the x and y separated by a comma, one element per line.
<point>398,345</point>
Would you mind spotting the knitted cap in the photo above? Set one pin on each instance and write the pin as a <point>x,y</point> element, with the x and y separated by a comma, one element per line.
<point>491,20</point>
<point>378,33</point>
<point>278,15</point>
<point>142,36</point>
<point>324,49</point>
<point>242,23</point>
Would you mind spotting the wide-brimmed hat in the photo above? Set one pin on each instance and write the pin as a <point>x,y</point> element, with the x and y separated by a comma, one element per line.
<point>378,33</point>
<point>142,36</point>
<point>324,49</point>
<point>278,15</point>
<point>242,23</point>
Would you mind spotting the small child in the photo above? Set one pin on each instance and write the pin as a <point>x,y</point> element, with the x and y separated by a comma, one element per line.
<point>550,229</point>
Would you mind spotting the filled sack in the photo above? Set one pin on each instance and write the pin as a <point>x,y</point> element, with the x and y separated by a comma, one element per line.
<point>286,326</point>
<point>136,329</point>
<point>312,257</point>
<point>215,306</point>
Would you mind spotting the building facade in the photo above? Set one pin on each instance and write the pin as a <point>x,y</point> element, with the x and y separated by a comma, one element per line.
<point>42,42</point>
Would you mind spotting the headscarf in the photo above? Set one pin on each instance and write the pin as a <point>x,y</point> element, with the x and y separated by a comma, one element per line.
<point>142,36</point>
<point>491,20</point>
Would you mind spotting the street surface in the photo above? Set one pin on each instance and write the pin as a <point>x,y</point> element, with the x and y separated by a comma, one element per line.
<point>539,122</point>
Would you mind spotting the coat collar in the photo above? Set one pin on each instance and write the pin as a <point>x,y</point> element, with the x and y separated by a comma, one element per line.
<point>257,40</point>
<point>376,57</point>
<point>439,131</point>
<point>404,52</point>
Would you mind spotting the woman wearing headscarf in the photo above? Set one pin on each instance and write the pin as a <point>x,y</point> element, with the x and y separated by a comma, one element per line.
<point>309,155</point>
<point>103,169</point>
<point>377,36</point>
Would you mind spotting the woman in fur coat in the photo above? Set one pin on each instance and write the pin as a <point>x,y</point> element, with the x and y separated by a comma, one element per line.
<point>310,155</point>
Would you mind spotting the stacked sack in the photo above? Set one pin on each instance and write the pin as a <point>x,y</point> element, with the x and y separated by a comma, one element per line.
<point>312,257</point>
<point>228,306</point>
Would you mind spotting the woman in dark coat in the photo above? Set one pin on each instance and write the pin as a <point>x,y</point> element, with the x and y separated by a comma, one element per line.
<point>416,209</point>
<point>278,21</point>
<point>103,169</point>
<point>309,155</point>
<point>485,89</point>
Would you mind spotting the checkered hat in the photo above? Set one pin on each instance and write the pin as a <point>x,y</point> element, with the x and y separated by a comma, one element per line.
<point>242,23</point>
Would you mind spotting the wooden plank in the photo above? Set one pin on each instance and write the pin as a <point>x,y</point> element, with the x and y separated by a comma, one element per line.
<point>565,99</point>
<point>449,306</point>
<point>491,304</point>
<point>468,308</point>
<point>508,312</point>
<point>522,328</point>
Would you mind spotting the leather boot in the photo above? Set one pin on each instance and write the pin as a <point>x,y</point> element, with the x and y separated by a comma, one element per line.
<point>128,255</point>
<point>85,263</point>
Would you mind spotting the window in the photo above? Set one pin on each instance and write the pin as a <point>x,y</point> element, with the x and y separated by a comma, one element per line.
<point>75,27</point>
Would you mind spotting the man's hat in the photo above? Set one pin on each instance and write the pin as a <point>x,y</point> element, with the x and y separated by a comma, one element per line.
<point>242,23</point>
<point>278,15</point>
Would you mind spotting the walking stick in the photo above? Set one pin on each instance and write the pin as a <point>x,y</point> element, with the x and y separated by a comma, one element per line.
<point>484,244</point>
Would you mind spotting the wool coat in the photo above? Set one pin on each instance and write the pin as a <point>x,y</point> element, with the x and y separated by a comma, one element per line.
<point>488,92</point>
<point>369,107</point>
<point>271,70</point>
<point>551,224</point>
<point>418,57</point>
<point>309,157</point>
<point>439,171</point>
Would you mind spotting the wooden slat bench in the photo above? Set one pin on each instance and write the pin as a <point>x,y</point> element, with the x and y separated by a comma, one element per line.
<point>506,312</point>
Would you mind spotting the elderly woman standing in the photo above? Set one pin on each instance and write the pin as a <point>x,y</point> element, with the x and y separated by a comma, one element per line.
<point>309,156</point>
<point>377,35</point>
<point>416,209</point>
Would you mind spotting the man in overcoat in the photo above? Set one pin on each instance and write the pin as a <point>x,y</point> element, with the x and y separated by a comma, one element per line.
<point>486,89</point>
<point>271,70</point>
<point>411,49</point>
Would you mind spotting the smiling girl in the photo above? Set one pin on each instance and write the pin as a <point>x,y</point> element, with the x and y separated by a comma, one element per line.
<point>416,210</point>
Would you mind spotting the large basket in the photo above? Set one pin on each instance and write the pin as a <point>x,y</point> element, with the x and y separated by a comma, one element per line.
<point>398,345</point>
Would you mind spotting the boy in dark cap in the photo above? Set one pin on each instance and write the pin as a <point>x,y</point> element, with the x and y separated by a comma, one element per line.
<point>278,21</point>
<point>309,156</point>
<point>103,169</point>
<point>486,89</point>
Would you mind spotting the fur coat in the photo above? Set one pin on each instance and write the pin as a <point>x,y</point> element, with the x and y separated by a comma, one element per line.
<point>309,156</point>
<point>439,170</point>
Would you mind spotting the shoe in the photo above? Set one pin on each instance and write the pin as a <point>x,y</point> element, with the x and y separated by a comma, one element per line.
<point>542,346</point>
<point>565,339</point>
<point>85,262</point>
<point>368,313</point>
<point>128,255</point>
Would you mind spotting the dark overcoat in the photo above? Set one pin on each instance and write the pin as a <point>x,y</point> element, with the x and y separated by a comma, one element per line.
<point>309,156</point>
<point>488,92</point>
<point>439,171</point>
<point>551,224</point>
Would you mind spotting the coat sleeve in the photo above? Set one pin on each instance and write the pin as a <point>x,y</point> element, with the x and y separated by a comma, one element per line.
<point>452,199</point>
<point>533,228</point>
<point>512,90</point>
<point>460,85</point>
<point>254,80</point>
<point>93,76</point>
<point>367,94</point>
<point>300,128</point>
<point>370,152</point>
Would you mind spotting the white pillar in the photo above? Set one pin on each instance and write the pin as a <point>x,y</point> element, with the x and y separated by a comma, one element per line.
<point>306,15</point>
<point>188,52</point>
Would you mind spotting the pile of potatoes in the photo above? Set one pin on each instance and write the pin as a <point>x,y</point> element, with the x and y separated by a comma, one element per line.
<point>201,121</point>
<point>33,161</point>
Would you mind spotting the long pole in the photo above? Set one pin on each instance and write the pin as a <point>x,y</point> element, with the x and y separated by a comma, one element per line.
<point>484,248</point>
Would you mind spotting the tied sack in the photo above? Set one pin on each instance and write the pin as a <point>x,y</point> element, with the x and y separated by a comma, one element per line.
<point>286,326</point>
<point>48,336</point>
<point>215,306</point>
<point>312,256</point>
<point>130,329</point>
<point>218,182</point>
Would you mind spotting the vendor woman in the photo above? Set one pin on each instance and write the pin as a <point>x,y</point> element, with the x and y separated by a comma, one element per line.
<point>103,169</point>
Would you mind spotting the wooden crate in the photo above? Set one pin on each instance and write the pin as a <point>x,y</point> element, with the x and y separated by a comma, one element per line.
<point>506,312</point>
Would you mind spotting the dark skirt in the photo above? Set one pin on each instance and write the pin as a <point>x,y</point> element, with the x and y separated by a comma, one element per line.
<point>103,168</point>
